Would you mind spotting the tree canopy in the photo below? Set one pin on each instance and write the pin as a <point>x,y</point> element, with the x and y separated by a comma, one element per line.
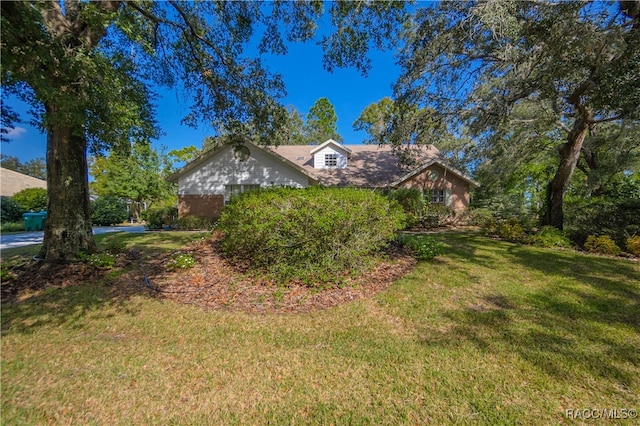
<point>504,70</point>
<point>86,68</point>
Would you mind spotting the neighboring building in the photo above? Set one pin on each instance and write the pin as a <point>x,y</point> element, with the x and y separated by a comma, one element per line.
<point>208,182</point>
<point>13,182</point>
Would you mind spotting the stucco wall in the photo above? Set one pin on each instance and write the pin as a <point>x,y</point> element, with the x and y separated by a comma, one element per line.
<point>459,189</point>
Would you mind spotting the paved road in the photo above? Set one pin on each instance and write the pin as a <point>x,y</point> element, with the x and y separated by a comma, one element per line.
<point>28,238</point>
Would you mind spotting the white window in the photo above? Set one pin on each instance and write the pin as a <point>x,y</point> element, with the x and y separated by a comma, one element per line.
<point>438,196</point>
<point>331,160</point>
<point>231,190</point>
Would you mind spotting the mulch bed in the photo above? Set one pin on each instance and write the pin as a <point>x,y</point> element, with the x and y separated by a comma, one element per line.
<point>212,284</point>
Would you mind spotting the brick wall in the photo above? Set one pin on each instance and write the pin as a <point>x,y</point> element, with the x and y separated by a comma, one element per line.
<point>458,187</point>
<point>208,206</point>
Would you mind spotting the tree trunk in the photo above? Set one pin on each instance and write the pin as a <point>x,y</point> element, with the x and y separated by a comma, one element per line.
<point>67,230</point>
<point>569,156</point>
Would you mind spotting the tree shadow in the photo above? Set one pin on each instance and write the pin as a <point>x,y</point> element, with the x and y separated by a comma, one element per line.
<point>579,320</point>
<point>66,295</point>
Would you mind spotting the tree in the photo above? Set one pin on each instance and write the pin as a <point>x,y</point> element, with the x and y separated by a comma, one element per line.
<point>36,168</point>
<point>322,122</point>
<point>108,211</point>
<point>475,62</point>
<point>137,175</point>
<point>87,68</point>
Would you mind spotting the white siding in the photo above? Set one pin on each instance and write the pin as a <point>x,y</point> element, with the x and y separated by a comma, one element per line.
<point>318,158</point>
<point>223,169</point>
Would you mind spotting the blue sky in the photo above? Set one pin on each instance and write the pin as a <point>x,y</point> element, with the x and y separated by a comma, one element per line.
<point>305,79</point>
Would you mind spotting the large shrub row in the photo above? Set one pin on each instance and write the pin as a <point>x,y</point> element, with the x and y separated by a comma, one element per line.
<point>313,235</point>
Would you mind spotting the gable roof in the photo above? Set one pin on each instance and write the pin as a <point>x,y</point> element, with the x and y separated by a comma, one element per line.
<point>445,166</point>
<point>369,166</point>
<point>12,182</point>
<point>330,142</point>
<point>372,166</point>
<point>206,156</point>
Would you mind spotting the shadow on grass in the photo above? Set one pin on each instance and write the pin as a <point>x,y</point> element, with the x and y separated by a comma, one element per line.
<point>66,295</point>
<point>582,317</point>
<point>69,307</point>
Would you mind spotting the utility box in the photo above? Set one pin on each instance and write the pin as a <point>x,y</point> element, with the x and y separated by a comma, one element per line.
<point>34,221</point>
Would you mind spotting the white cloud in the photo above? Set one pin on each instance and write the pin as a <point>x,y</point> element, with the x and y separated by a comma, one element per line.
<point>16,132</point>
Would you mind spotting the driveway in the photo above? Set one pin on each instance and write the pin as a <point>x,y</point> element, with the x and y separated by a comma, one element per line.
<point>29,238</point>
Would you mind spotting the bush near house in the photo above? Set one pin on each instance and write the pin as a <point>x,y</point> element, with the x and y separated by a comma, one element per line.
<point>32,199</point>
<point>108,210</point>
<point>313,235</point>
<point>419,212</point>
<point>11,210</point>
<point>158,217</point>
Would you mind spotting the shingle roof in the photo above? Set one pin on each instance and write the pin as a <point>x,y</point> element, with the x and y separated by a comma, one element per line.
<point>368,165</point>
<point>13,182</point>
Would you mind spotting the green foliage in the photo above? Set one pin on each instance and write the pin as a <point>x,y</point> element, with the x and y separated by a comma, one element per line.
<point>36,168</point>
<point>12,226</point>
<point>549,237</point>
<point>102,260</point>
<point>602,215</point>
<point>423,247</point>
<point>322,122</point>
<point>108,210</point>
<point>420,213</point>
<point>158,217</point>
<point>510,230</point>
<point>181,261</point>
<point>602,245</point>
<point>32,199</point>
<point>136,173</point>
<point>10,210</point>
<point>315,235</point>
<point>196,223</point>
<point>633,245</point>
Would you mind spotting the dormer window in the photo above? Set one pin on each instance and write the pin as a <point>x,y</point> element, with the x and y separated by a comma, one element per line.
<point>331,160</point>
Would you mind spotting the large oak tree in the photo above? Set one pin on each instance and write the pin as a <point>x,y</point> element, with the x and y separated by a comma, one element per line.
<point>87,68</point>
<point>475,63</point>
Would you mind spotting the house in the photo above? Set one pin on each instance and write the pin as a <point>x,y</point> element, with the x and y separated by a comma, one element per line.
<point>208,182</point>
<point>12,182</point>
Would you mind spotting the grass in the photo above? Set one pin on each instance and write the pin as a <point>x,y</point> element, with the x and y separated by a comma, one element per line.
<point>489,333</point>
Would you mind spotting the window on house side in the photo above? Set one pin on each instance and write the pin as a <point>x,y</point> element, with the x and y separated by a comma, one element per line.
<point>331,160</point>
<point>231,190</point>
<point>438,196</point>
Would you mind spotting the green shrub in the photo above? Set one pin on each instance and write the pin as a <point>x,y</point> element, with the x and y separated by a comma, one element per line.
<point>423,247</point>
<point>32,199</point>
<point>181,261</point>
<point>412,203</point>
<point>602,245</point>
<point>633,245</point>
<point>196,223</point>
<point>12,226</point>
<point>478,217</point>
<point>617,218</point>
<point>437,215</point>
<point>314,235</point>
<point>549,237</point>
<point>11,210</point>
<point>512,230</point>
<point>158,217</point>
<point>108,210</point>
<point>102,260</point>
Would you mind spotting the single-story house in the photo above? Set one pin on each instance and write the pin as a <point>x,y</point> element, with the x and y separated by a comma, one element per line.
<point>12,182</point>
<point>209,181</point>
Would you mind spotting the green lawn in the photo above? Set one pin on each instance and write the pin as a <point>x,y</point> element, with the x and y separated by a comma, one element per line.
<point>488,333</point>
